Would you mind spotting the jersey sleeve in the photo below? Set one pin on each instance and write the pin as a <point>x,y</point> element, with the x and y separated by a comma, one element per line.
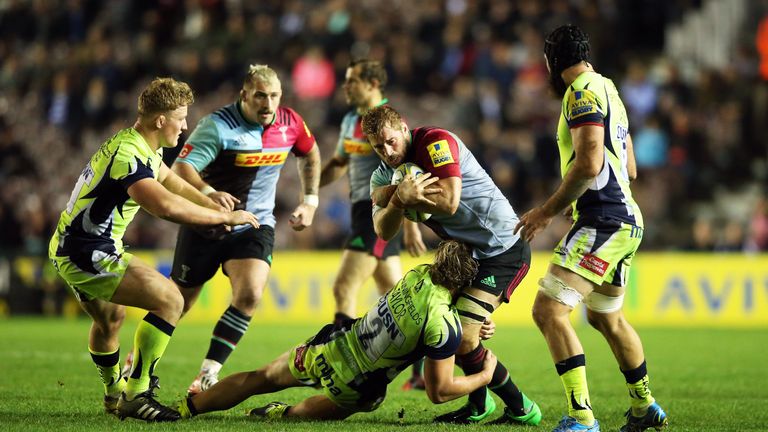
<point>304,138</point>
<point>340,150</point>
<point>203,145</point>
<point>127,167</point>
<point>443,334</point>
<point>440,155</point>
<point>380,177</point>
<point>583,107</point>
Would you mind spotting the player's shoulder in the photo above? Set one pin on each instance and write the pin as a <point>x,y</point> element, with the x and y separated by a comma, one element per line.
<point>224,118</point>
<point>288,116</point>
<point>426,135</point>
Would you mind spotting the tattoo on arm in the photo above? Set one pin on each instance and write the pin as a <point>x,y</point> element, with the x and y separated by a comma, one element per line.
<point>309,171</point>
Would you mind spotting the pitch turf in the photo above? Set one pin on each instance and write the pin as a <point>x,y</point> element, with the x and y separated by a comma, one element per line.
<point>706,380</point>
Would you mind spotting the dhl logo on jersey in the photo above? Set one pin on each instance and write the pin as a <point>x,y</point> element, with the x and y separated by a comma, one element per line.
<point>354,147</point>
<point>260,159</point>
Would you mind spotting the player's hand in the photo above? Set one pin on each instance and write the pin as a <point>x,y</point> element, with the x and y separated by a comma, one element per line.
<point>242,217</point>
<point>302,217</point>
<point>224,199</point>
<point>413,191</point>
<point>489,365</point>
<point>412,239</point>
<point>532,223</point>
<point>488,329</point>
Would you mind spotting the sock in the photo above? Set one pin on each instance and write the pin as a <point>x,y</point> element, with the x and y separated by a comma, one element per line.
<point>108,365</point>
<point>228,331</point>
<point>502,385</point>
<point>639,393</point>
<point>152,336</point>
<point>472,363</point>
<point>339,318</point>
<point>418,368</point>
<point>573,373</point>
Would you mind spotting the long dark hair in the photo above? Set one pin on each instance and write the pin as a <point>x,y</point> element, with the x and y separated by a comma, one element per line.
<point>453,267</point>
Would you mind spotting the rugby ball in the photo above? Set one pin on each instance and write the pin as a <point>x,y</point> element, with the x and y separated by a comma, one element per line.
<point>398,176</point>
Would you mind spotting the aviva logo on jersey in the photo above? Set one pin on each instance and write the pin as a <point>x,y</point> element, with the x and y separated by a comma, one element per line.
<point>260,159</point>
<point>440,153</point>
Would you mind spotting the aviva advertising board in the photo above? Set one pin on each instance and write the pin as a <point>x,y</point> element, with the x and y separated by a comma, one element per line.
<point>665,289</point>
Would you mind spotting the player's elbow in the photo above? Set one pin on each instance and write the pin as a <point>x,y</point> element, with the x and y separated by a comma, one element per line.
<point>436,396</point>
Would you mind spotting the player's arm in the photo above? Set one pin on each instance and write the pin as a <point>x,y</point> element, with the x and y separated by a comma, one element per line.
<point>588,146</point>
<point>309,166</point>
<point>189,174</point>
<point>446,201</point>
<point>387,216</point>
<point>631,163</point>
<point>177,185</point>
<point>334,169</point>
<point>441,384</point>
<point>153,197</point>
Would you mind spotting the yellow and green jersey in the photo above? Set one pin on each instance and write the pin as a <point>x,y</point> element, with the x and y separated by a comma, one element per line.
<point>593,100</point>
<point>100,209</point>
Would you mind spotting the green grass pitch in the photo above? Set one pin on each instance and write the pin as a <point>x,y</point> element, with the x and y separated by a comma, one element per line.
<point>706,380</point>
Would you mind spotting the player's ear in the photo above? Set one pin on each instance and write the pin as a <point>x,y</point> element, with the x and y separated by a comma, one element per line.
<point>243,94</point>
<point>160,121</point>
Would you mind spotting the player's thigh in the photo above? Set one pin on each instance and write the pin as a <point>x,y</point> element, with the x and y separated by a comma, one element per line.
<point>144,287</point>
<point>388,272</point>
<point>247,275</point>
<point>356,267</point>
<point>278,373</point>
<point>93,274</point>
<point>591,256</point>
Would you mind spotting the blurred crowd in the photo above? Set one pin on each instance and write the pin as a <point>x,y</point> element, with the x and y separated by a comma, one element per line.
<point>71,70</point>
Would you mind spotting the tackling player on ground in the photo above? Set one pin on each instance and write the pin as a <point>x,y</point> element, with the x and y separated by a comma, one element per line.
<point>127,172</point>
<point>365,254</point>
<point>592,261</point>
<point>466,206</point>
<point>353,365</point>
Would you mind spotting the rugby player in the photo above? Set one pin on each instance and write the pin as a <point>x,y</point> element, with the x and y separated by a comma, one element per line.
<point>354,364</point>
<point>592,261</point>
<point>127,172</point>
<point>466,206</point>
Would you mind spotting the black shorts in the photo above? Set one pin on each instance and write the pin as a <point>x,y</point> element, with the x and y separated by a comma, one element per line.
<point>363,237</point>
<point>197,258</point>
<point>500,275</point>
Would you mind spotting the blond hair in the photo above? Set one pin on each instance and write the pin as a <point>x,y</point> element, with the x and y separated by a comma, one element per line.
<point>260,72</point>
<point>453,267</point>
<point>380,117</point>
<point>163,95</point>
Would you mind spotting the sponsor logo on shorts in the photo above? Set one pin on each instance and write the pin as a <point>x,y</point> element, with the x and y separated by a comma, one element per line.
<point>298,362</point>
<point>326,375</point>
<point>186,150</point>
<point>440,153</point>
<point>260,159</point>
<point>594,264</point>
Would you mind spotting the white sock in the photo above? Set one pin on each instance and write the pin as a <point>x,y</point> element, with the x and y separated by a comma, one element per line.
<point>210,367</point>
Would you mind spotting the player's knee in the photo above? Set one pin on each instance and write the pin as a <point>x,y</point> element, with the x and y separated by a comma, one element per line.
<point>606,324</point>
<point>172,302</point>
<point>115,320</point>
<point>247,301</point>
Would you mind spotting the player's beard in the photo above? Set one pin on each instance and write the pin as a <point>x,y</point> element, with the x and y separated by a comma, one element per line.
<point>557,84</point>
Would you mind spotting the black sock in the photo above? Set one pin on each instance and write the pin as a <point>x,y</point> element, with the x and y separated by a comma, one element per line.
<point>472,363</point>
<point>228,331</point>
<point>502,385</point>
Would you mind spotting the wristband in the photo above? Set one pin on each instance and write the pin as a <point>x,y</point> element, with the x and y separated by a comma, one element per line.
<point>312,200</point>
<point>207,190</point>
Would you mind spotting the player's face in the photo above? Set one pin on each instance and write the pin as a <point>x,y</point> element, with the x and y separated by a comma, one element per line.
<point>356,90</point>
<point>260,100</point>
<point>175,123</point>
<point>391,144</point>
